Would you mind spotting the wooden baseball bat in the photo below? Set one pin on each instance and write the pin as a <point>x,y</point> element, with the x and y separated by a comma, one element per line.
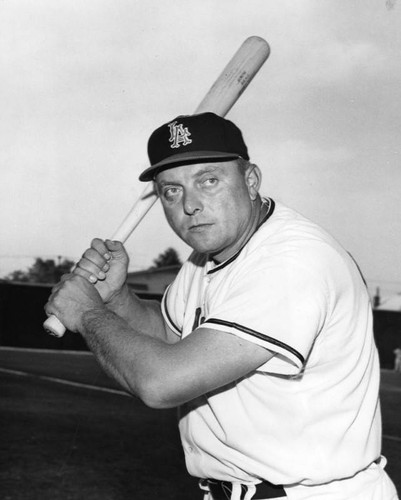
<point>221,97</point>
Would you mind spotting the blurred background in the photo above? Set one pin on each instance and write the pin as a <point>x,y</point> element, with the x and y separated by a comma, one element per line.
<point>83,85</point>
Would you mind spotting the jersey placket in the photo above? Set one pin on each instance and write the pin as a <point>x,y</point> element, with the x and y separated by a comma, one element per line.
<point>206,279</point>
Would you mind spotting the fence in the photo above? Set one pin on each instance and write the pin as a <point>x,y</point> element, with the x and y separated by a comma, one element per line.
<point>22,317</point>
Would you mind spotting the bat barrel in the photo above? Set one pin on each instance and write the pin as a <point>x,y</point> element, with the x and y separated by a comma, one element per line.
<point>235,77</point>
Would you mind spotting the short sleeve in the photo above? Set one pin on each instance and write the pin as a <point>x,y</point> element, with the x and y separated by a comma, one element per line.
<point>171,313</point>
<point>175,298</point>
<point>279,303</point>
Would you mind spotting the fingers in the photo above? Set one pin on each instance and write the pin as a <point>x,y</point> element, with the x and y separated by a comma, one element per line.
<point>118,252</point>
<point>115,246</point>
<point>101,247</point>
<point>109,249</point>
<point>94,262</point>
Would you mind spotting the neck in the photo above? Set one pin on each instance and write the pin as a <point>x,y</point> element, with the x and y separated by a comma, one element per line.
<point>259,210</point>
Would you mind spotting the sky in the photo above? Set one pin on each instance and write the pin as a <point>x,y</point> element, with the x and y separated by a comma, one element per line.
<point>84,84</point>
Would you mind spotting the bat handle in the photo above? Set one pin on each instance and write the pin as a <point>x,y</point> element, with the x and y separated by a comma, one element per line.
<point>141,207</point>
<point>53,325</point>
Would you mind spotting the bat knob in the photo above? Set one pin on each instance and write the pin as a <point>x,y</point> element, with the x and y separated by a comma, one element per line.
<point>54,327</point>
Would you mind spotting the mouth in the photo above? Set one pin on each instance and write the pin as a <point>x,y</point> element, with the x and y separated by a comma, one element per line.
<point>197,228</point>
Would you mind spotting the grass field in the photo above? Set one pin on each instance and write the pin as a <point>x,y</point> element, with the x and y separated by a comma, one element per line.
<point>69,433</point>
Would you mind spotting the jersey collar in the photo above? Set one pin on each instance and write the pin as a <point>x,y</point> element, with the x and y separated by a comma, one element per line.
<point>270,206</point>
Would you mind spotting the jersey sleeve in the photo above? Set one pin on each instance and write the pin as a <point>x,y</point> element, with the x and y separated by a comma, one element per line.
<point>170,314</point>
<point>173,303</point>
<point>279,303</point>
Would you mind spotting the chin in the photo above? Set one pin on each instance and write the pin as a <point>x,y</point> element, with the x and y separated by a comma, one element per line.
<point>203,246</point>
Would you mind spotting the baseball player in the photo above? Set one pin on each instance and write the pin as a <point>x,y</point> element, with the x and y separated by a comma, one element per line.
<point>264,340</point>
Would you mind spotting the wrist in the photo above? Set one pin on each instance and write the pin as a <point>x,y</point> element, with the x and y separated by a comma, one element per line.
<point>118,299</point>
<point>93,317</point>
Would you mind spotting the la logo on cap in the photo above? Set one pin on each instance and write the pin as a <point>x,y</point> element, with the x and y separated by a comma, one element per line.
<point>179,135</point>
<point>188,139</point>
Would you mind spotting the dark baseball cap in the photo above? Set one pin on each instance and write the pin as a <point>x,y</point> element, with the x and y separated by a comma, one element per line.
<point>188,139</point>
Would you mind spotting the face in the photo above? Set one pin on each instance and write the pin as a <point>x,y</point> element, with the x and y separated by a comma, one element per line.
<point>210,205</point>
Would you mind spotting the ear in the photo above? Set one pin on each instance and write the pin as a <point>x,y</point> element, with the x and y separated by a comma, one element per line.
<point>253,179</point>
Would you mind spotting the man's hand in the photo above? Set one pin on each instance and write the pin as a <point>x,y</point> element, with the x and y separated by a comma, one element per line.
<point>71,298</point>
<point>105,265</point>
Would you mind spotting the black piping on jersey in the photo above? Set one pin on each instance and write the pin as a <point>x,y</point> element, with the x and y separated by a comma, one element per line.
<point>258,335</point>
<point>167,313</point>
<point>269,213</point>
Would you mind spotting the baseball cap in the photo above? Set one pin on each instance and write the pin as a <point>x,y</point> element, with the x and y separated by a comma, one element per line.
<point>190,139</point>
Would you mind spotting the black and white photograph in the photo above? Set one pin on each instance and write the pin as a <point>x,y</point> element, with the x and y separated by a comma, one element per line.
<point>200,248</point>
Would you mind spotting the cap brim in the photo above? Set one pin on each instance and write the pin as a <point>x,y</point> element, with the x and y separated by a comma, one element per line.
<point>185,159</point>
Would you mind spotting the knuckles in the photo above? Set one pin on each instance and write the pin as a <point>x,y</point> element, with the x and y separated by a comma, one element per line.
<point>93,256</point>
<point>67,282</point>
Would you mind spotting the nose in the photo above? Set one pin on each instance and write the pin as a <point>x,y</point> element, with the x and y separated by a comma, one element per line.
<point>192,203</point>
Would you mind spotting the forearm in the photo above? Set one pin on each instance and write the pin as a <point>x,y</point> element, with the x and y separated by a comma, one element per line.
<point>167,375</point>
<point>130,356</point>
<point>142,315</point>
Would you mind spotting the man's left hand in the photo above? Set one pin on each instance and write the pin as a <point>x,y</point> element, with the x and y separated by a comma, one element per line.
<point>71,299</point>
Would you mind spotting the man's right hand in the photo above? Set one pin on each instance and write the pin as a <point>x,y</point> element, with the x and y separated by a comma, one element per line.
<point>105,264</point>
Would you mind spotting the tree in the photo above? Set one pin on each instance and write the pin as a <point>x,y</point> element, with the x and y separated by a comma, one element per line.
<point>167,258</point>
<point>42,271</point>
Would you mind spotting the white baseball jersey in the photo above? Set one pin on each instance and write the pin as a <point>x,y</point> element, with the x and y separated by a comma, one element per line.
<point>311,414</point>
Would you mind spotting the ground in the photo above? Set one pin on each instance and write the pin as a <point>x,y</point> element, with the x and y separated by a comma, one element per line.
<point>68,442</point>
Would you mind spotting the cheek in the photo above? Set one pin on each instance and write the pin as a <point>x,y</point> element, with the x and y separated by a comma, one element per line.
<point>173,218</point>
<point>232,207</point>
<point>235,214</point>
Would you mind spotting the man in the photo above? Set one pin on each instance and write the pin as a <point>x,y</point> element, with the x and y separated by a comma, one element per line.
<point>264,340</point>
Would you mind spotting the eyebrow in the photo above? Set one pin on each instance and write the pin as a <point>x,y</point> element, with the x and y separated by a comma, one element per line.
<point>205,170</point>
<point>165,183</point>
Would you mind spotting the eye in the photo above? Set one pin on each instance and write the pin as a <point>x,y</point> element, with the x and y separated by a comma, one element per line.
<point>210,181</point>
<point>171,193</point>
